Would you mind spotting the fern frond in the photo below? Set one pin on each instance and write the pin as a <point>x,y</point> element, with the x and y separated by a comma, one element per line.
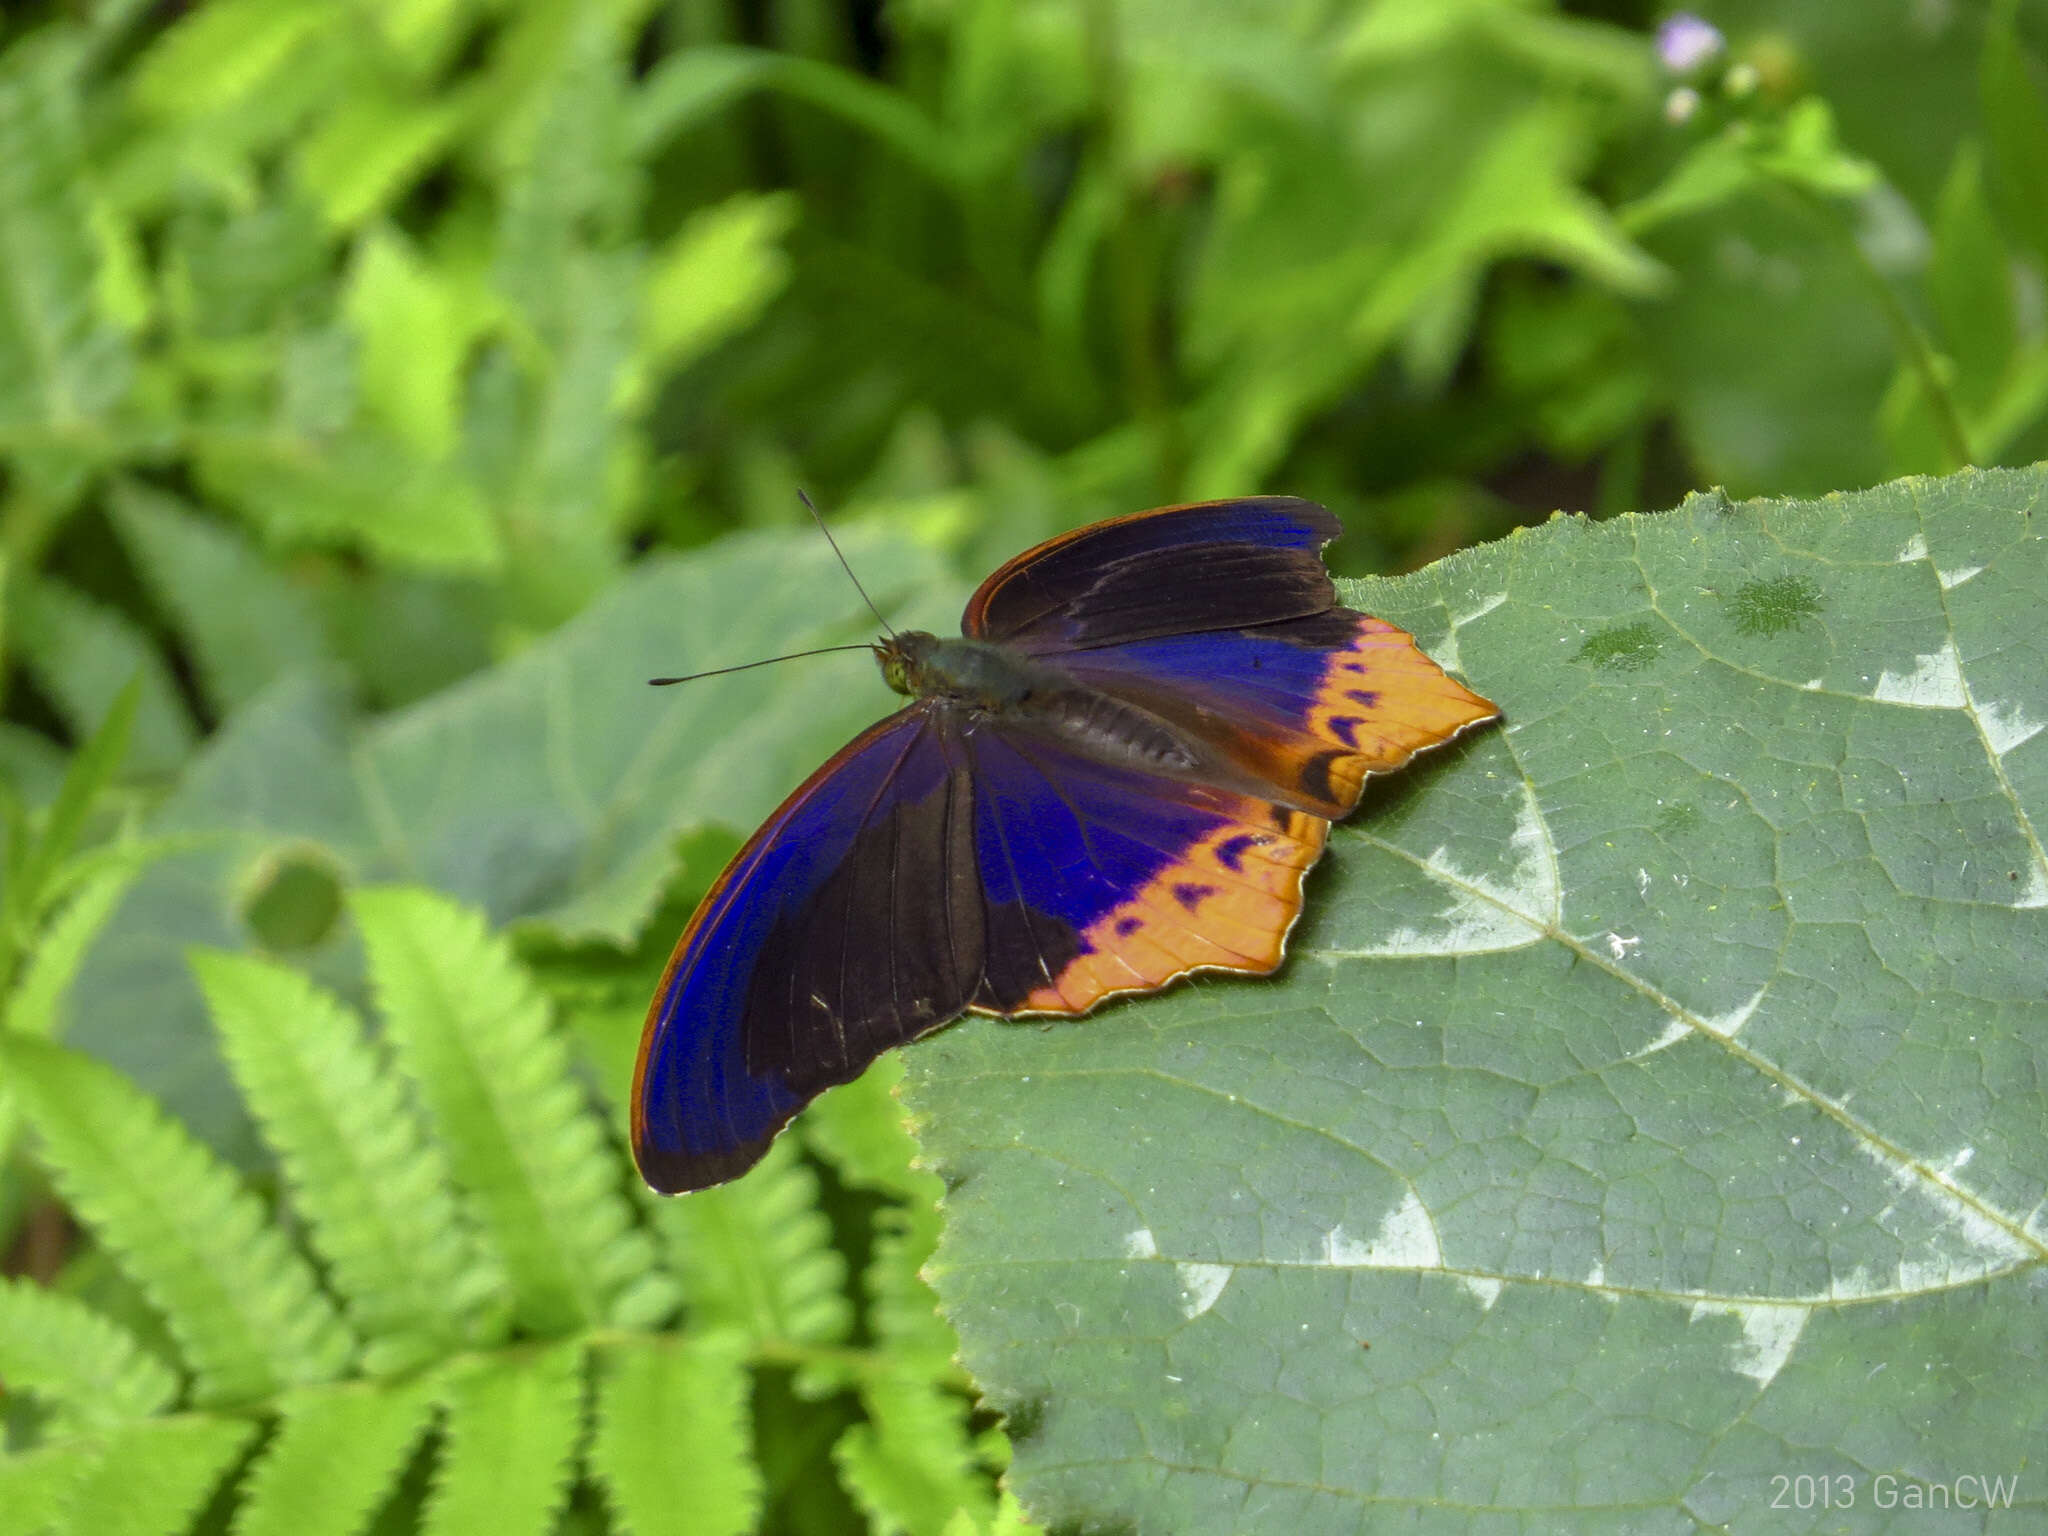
<point>77,1361</point>
<point>60,951</point>
<point>474,1035</point>
<point>512,1426</point>
<point>863,1131</point>
<point>1010,1519</point>
<point>374,1190</point>
<point>239,1299</point>
<point>865,1134</point>
<point>911,1467</point>
<point>32,1007</point>
<point>673,1447</point>
<point>756,1255</point>
<point>92,768</point>
<point>177,1460</point>
<point>903,1311</point>
<point>335,1459</point>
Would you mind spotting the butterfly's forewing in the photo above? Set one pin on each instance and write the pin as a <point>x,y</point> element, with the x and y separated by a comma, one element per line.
<point>849,923</point>
<point>1219,619</point>
<point>1210,565</point>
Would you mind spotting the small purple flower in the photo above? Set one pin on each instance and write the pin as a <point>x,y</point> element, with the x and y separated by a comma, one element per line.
<point>1685,42</point>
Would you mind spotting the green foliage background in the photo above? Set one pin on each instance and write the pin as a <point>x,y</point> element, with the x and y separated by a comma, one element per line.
<point>381,388</point>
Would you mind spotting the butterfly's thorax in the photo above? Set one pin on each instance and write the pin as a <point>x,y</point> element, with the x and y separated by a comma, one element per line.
<point>982,677</point>
<point>974,672</point>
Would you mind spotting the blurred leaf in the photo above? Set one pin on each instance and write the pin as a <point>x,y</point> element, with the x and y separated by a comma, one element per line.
<point>717,273</point>
<point>84,655</point>
<point>865,1134</point>
<point>2016,132</point>
<point>1773,350</point>
<point>246,622</point>
<point>219,53</point>
<point>361,488</point>
<point>1645,1070</point>
<point>92,770</point>
<point>35,1004</point>
<point>357,162</point>
<point>1970,279</point>
<point>416,328</point>
<point>702,80</point>
<point>910,1467</point>
<point>31,765</point>
<point>37,1487</point>
<point>1800,150</point>
<point>64,361</point>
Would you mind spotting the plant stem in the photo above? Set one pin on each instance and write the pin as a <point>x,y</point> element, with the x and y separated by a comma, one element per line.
<point>1910,340</point>
<point>1133,271</point>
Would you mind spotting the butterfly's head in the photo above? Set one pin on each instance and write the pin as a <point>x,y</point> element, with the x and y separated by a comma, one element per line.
<point>905,658</point>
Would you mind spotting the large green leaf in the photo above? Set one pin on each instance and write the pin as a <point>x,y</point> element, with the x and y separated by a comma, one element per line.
<point>550,790</point>
<point>1651,1113</point>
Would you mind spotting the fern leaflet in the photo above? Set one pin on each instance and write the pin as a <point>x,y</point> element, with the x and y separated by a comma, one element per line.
<point>60,951</point>
<point>335,1459</point>
<point>177,1460</point>
<point>756,1255</point>
<point>241,1302</point>
<point>911,1467</point>
<point>36,1488</point>
<point>512,1427</point>
<point>373,1189</point>
<point>475,1036</point>
<point>674,1442</point>
<point>861,1129</point>
<point>75,1360</point>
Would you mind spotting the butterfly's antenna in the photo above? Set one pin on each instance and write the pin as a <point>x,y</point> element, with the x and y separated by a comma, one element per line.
<point>823,650</point>
<point>819,518</point>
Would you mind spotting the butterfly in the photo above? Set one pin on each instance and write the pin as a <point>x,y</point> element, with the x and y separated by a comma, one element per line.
<point>1117,776</point>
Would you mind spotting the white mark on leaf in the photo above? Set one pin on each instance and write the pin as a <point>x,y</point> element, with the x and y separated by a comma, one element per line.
<point>1484,1287</point>
<point>1486,914</point>
<point>1769,1331</point>
<point>1936,682</point>
<point>1406,1240</point>
<point>1200,1285</point>
<point>2007,725</point>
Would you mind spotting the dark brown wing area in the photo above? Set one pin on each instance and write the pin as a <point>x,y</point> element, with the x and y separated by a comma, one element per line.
<point>1176,570</point>
<point>891,946</point>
